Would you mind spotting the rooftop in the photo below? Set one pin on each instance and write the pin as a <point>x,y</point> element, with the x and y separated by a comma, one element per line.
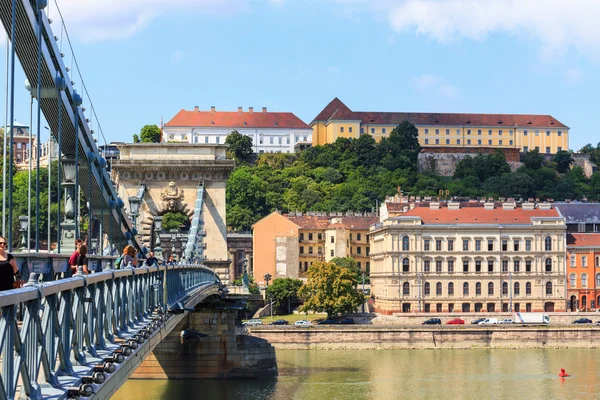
<point>583,239</point>
<point>478,215</point>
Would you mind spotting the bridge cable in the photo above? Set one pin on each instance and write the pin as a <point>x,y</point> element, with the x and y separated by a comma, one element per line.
<point>4,147</point>
<point>37,145</point>
<point>12,123</point>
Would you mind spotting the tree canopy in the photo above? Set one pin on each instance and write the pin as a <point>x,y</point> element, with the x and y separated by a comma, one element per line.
<point>240,147</point>
<point>284,291</point>
<point>330,289</point>
<point>148,134</point>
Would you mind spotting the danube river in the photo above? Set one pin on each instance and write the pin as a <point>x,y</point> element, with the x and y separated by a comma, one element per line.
<point>399,374</point>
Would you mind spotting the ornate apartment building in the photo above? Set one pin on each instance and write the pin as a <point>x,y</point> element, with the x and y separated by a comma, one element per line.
<point>503,131</point>
<point>465,257</point>
<point>271,132</point>
<point>287,245</point>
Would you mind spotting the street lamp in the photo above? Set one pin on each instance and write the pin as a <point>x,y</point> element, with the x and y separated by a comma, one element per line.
<point>23,226</point>
<point>157,229</point>
<point>174,233</point>
<point>267,279</point>
<point>94,245</point>
<point>134,208</point>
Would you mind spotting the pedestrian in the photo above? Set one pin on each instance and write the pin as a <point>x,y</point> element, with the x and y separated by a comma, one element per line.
<point>8,267</point>
<point>151,260</point>
<point>128,257</point>
<point>75,256</point>
<point>171,260</point>
<point>82,261</point>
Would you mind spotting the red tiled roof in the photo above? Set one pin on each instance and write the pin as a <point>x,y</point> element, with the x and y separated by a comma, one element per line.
<point>236,119</point>
<point>583,239</point>
<point>324,222</point>
<point>336,110</point>
<point>477,215</point>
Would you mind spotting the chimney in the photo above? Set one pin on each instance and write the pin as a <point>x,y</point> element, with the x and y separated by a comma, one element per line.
<point>544,206</point>
<point>488,206</point>
<point>240,109</point>
<point>196,108</point>
<point>434,205</point>
<point>509,205</point>
<point>453,205</point>
<point>264,109</point>
<point>528,206</point>
<point>212,108</point>
<point>251,110</point>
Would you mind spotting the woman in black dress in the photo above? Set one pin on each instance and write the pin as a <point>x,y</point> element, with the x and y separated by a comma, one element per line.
<point>8,267</point>
<point>82,259</point>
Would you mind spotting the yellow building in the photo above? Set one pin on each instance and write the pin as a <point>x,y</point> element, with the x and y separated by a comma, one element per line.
<point>454,257</point>
<point>520,131</point>
<point>303,239</point>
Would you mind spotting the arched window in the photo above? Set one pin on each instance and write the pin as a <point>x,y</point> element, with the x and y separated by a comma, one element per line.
<point>490,288</point>
<point>548,243</point>
<point>548,265</point>
<point>517,290</point>
<point>505,289</point>
<point>406,288</point>
<point>405,244</point>
<point>451,289</point>
<point>528,288</point>
<point>466,289</point>
<point>427,289</point>
<point>478,288</point>
<point>549,288</point>
<point>438,289</point>
<point>405,265</point>
<point>573,280</point>
<point>584,280</point>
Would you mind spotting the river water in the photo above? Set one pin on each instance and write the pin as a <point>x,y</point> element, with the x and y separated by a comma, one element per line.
<point>399,374</point>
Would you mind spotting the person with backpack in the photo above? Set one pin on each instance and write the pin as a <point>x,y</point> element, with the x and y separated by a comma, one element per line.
<point>127,257</point>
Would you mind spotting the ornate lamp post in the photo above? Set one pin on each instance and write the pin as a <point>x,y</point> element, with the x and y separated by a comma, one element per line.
<point>134,208</point>
<point>23,227</point>
<point>267,279</point>
<point>68,225</point>
<point>157,229</point>
<point>174,233</point>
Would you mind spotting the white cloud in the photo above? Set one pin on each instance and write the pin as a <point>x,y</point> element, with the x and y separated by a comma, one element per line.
<point>557,25</point>
<point>573,75</point>
<point>436,84</point>
<point>96,20</point>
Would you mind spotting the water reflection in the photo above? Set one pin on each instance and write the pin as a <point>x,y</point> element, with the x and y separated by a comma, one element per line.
<point>399,374</point>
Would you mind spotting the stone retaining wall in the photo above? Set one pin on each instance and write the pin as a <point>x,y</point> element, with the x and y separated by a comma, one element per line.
<point>459,337</point>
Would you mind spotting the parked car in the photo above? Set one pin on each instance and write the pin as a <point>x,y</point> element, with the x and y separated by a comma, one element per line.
<point>582,321</point>
<point>346,321</point>
<point>303,322</point>
<point>252,322</point>
<point>489,321</point>
<point>506,321</point>
<point>432,321</point>
<point>456,321</point>
<point>477,321</point>
<point>280,322</point>
<point>328,322</point>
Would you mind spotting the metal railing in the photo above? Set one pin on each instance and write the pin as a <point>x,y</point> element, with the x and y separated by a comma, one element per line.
<point>66,337</point>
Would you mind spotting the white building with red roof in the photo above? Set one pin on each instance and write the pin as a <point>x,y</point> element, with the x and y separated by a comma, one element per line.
<point>271,132</point>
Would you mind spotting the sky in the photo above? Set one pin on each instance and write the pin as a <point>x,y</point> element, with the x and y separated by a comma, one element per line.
<point>144,60</point>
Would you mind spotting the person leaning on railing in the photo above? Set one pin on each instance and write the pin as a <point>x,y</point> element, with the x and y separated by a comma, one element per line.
<point>82,260</point>
<point>8,267</point>
<point>128,257</point>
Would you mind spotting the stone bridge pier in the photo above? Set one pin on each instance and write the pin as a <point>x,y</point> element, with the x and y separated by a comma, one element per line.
<point>226,352</point>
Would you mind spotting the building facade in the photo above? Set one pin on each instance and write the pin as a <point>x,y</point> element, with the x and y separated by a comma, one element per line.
<point>518,131</point>
<point>271,132</point>
<point>447,258</point>
<point>287,245</point>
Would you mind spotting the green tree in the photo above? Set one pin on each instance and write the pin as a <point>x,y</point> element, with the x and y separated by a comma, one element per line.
<point>150,134</point>
<point>350,264</point>
<point>246,199</point>
<point>136,138</point>
<point>533,159</point>
<point>173,220</point>
<point>331,289</point>
<point>564,160</point>
<point>284,292</point>
<point>240,146</point>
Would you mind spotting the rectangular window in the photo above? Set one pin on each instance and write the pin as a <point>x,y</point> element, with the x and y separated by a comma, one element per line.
<point>547,133</point>
<point>465,245</point>
<point>333,239</point>
<point>478,245</point>
<point>437,141</point>
<point>218,140</point>
<point>528,245</point>
<point>457,141</point>
<point>205,139</point>
<point>479,142</point>
<point>527,265</point>
<point>296,138</point>
<point>524,133</point>
<point>525,149</point>
<point>490,265</point>
<point>310,250</point>
<point>468,141</point>
<point>447,141</point>
<point>466,266</point>
<point>510,132</point>
<point>479,132</point>
<point>584,261</point>
<point>458,131</point>
<point>450,245</point>
<point>426,141</point>
<point>426,245</point>
<point>350,236</point>
<point>271,140</point>
<point>437,131</point>
<point>358,250</point>
<point>438,245</point>
<point>350,129</point>
<point>573,261</point>
<point>477,265</point>
<point>450,266</point>
<point>341,129</point>
<point>499,142</point>
<point>279,140</point>
<point>305,266</point>
<point>490,142</point>
<point>301,236</point>
<point>427,131</point>
<point>505,245</point>
<point>358,237</point>
<point>367,267</point>
<point>372,130</point>
<point>367,249</point>
<point>287,140</point>
<point>383,130</point>
<point>310,236</point>
<point>468,131</point>
<point>301,249</point>
<point>489,132</point>
<point>332,253</point>
<point>438,266</point>
<point>319,236</point>
<point>537,148</point>
<point>426,266</point>
<point>490,245</point>
<point>516,244</point>
<point>447,131</point>
<point>547,150</point>
<point>504,265</point>
<point>510,142</point>
<point>362,130</point>
<point>517,265</point>
<point>500,132</point>
<point>559,148</point>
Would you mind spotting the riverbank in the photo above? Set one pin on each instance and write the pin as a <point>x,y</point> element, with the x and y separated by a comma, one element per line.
<point>376,337</point>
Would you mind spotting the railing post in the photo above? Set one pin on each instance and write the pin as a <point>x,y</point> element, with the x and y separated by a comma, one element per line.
<point>7,332</point>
